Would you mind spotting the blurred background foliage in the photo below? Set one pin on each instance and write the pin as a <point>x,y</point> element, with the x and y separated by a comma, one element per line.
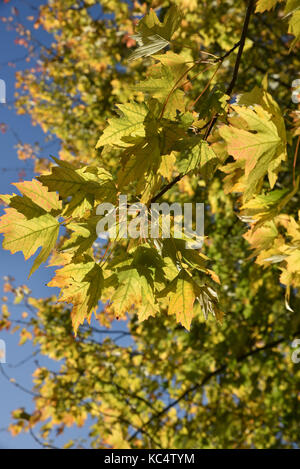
<point>153,384</point>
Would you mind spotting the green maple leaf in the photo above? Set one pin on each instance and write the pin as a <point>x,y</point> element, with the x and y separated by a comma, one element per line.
<point>143,161</point>
<point>24,205</point>
<point>148,306</point>
<point>182,293</point>
<point>68,181</point>
<point>82,237</point>
<point>263,5</point>
<point>21,234</point>
<point>292,10</point>
<point>36,200</point>
<point>264,207</point>
<point>148,45</point>
<point>40,195</point>
<point>128,292</point>
<point>130,123</point>
<point>198,156</point>
<point>152,35</point>
<point>163,78</point>
<point>135,288</point>
<point>163,84</point>
<point>84,185</point>
<point>81,285</point>
<point>63,179</point>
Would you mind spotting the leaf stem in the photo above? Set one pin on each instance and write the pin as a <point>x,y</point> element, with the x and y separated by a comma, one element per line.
<point>174,88</point>
<point>204,89</point>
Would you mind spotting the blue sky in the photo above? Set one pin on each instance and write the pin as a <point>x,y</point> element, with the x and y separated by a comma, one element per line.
<point>20,127</point>
<point>17,127</point>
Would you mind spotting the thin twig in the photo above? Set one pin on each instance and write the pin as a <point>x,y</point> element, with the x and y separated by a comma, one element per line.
<point>295,161</point>
<point>204,89</point>
<point>238,59</point>
<point>44,445</point>
<point>241,47</point>
<point>174,88</point>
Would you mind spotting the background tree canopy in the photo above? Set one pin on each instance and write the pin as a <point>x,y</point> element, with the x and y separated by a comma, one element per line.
<point>184,101</point>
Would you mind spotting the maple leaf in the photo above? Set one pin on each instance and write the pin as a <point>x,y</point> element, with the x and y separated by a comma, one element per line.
<point>40,195</point>
<point>36,200</point>
<point>262,238</point>
<point>23,205</point>
<point>81,285</point>
<point>293,261</point>
<point>181,294</point>
<point>21,234</point>
<point>162,78</point>
<point>128,292</point>
<point>180,255</point>
<point>164,87</point>
<point>167,165</point>
<point>138,166</point>
<point>82,237</point>
<point>148,45</point>
<point>68,181</point>
<point>152,35</point>
<point>208,300</point>
<point>263,5</point>
<point>254,141</point>
<point>292,10</point>
<point>163,82</point>
<point>135,287</point>
<point>85,185</point>
<point>63,179</point>
<point>148,306</point>
<point>198,156</point>
<point>130,122</point>
<point>264,207</point>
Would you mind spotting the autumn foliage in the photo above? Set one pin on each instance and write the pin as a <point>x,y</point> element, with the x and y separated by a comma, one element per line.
<point>187,101</point>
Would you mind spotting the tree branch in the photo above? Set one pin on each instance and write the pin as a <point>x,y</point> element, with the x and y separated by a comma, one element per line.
<point>241,48</point>
<point>210,375</point>
<point>229,90</point>
<point>237,61</point>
